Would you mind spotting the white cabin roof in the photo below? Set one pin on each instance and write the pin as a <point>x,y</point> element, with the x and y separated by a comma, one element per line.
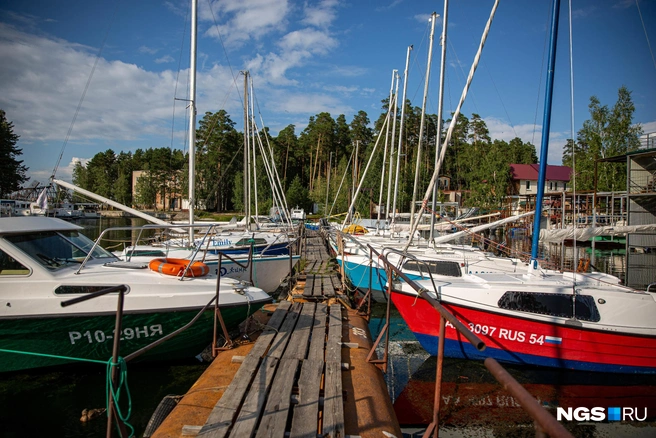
<point>26,224</point>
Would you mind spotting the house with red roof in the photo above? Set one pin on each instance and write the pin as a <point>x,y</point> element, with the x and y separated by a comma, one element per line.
<point>524,179</point>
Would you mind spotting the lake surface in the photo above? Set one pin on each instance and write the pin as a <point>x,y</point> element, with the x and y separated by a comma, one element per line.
<point>50,403</point>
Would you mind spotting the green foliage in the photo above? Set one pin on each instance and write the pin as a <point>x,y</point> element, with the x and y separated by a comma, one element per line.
<point>146,191</point>
<point>298,195</point>
<point>608,133</point>
<point>11,169</point>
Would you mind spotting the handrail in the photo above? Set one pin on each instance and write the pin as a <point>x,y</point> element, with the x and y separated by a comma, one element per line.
<point>96,243</point>
<point>543,419</point>
<point>422,292</point>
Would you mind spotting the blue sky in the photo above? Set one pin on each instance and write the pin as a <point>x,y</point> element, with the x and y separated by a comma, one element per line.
<point>305,57</point>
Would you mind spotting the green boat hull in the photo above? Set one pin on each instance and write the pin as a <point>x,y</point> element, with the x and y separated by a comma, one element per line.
<point>91,338</point>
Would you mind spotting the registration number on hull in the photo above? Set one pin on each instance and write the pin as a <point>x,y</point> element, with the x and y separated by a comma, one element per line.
<point>504,333</point>
<point>128,333</point>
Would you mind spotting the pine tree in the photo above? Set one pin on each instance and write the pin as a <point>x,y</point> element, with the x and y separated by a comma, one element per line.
<point>11,169</point>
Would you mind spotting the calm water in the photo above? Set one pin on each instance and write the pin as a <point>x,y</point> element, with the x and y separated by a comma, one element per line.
<point>50,403</point>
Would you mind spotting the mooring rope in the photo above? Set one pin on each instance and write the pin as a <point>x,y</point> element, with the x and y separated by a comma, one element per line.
<point>116,393</point>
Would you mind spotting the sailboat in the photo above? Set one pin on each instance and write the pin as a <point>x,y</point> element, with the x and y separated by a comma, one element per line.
<point>588,322</point>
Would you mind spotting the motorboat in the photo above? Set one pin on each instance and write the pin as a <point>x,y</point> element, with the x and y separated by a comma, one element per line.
<point>45,261</point>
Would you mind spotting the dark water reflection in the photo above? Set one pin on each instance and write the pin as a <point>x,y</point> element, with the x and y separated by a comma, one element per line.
<point>474,404</point>
<point>36,403</point>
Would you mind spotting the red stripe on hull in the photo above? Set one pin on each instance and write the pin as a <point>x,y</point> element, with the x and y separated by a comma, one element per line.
<point>526,336</point>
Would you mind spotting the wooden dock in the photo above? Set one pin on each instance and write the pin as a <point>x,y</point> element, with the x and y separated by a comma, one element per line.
<point>321,279</point>
<point>305,376</point>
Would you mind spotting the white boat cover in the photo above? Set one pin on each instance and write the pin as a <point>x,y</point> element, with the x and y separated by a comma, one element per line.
<point>558,235</point>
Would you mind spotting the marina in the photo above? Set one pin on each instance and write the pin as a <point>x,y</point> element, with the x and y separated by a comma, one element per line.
<point>404,391</point>
<point>514,298</point>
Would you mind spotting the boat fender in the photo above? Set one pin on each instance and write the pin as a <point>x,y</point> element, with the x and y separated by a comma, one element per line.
<point>176,267</point>
<point>162,411</point>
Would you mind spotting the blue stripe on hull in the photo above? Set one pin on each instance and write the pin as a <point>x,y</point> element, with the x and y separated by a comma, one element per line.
<point>359,275</point>
<point>277,249</point>
<point>464,350</point>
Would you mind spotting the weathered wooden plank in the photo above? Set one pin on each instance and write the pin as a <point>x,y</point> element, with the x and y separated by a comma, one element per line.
<point>309,285</point>
<point>334,343</point>
<point>306,413</point>
<point>318,336</point>
<point>277,409</point>
<point>328,290</point>
<point>298,344</point>
<point>333,405</point>
<point>318,282</point>
<point>284,333</point>
<point>225,410</point>
<point>254,403</point>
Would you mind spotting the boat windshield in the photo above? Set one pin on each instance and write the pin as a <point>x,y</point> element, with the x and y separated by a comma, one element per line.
<point>55,250</point>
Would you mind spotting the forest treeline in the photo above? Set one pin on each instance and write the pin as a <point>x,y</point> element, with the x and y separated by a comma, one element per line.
<point>330,148</point>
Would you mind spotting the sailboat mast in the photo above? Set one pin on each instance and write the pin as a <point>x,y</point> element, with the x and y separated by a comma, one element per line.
<point>247,216</point>
<point>394,105</point>
<point>546,122</point>
<point>192,120</point>
<point>382,173</point>
<point>252,158</point>
<point>398,155</point>
<point>440,105</point>
<point>423,118</point>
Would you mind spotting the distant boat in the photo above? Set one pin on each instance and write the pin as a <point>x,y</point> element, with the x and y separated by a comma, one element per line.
<point>298,214</point>
<point>39,260</point>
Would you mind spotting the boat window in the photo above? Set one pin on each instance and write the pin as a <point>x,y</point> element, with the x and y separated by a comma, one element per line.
<point>439,267</point>
<point>560,305</point>
<point>71,290</point>
<point>86,244</point>
<point>249,240</point>
<point>53,250</point>
<point>11,266</point>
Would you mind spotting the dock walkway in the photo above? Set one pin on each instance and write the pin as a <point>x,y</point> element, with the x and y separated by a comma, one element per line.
<point>321,280</point>
<point>306,375</point>
<point>261,392</point>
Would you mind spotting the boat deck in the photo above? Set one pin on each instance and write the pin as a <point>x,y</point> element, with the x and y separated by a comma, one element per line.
<point>306,375</point>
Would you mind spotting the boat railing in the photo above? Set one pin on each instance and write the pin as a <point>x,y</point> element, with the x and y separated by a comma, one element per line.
<point>544,421</point>
<point>96,243</point>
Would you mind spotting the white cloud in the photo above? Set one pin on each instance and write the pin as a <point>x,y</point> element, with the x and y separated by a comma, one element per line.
<point>308,40</point>
<point>309,103</point>
<point>341,89</point>
<point>649,127</point>
<point>148,50</point>
<point>528,133</point>
<point>321,14</point>
<point>246,19</point>
<point>164,59</point>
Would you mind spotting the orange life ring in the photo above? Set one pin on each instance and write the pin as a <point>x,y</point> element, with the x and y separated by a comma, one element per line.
<point>177,266</point>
